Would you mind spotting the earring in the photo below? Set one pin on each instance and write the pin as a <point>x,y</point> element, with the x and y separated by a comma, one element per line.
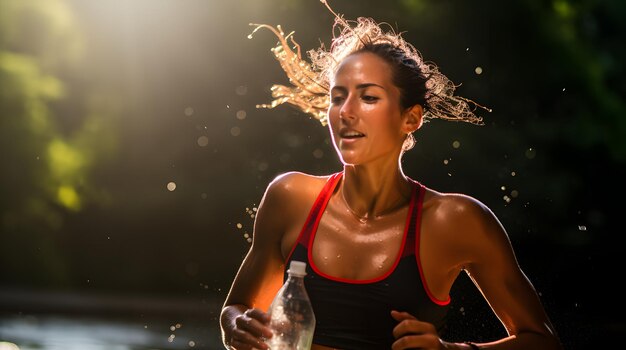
<point>409,142</point>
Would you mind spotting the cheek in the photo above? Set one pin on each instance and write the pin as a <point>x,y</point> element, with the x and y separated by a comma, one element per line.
<point>333,119</point>
<point>382,116</point>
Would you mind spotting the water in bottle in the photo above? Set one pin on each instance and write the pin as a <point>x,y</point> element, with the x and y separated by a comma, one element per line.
<point>292,319</point>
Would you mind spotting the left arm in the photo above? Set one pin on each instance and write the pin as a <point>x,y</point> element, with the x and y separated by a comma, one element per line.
<point>487,256</point>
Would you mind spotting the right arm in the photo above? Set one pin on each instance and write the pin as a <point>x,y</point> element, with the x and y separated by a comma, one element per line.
<point>243,319</point>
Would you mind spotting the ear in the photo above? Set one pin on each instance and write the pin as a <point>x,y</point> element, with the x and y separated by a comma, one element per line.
<point>413,118</point>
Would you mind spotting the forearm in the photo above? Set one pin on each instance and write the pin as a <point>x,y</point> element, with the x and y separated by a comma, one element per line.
<point>522,341</point>
<point>227,321</point>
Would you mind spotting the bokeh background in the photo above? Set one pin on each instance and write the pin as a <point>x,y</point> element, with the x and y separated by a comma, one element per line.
<point>133,157</point>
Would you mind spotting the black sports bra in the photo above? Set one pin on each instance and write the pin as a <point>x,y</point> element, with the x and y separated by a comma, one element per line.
<point>356,314</point>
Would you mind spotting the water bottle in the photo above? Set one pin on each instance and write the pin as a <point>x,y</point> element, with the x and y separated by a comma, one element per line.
<point>291,316</point>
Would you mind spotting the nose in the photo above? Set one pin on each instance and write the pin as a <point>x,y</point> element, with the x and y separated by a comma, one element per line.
<point>347,109</point>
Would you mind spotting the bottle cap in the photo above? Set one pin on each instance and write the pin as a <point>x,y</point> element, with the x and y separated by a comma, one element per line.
<point>297,268</point>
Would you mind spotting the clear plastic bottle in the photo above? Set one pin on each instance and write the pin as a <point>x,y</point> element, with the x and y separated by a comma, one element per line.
<point>292,319</point>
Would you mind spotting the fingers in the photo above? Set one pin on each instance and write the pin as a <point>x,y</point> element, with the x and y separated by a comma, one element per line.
<point>401,316</point>
<point>254,321</point>
<point>250,329</point>
<point>258,314</point>
<point>421,341</point>
<point>408,324</point>
<point>412,333</point>
<point>245,341</point>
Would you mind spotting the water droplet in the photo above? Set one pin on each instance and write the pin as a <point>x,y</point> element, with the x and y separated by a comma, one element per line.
<point>235,131</point>
<point>189,111</point>
<point>582,228</point>
<point>478,70</point>
<point>203,141</point>
<point>503,188</point>
<point>514,193</point>
<point>241,115</point>
<point>171,186</point>
<point>318,153</point>
<point>239,225</point>
<point>456,144</point>
<point>338,256</point>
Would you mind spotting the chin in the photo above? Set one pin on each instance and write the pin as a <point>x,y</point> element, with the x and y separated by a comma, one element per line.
<point>350,156</point>
<point>348,160</point>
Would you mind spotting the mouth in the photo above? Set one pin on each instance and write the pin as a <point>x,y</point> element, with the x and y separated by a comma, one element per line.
<point>350,134</point>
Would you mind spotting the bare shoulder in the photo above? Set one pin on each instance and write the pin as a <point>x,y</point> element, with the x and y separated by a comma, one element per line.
<point>466,227</point>
<point>457,212</point>
<point>295,179</point>
<point>455,203</point>
<point>294,185</point>
<point>290,194</point>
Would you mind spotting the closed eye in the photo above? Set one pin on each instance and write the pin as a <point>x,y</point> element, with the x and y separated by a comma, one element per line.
<point>369,99</point>
<point>336,99</point>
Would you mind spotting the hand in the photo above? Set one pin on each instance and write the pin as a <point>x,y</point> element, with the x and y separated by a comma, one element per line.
<point>411,333</point>
<point>251,328</point>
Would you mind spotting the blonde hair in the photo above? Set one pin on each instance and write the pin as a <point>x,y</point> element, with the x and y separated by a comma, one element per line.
<point>311,81</point>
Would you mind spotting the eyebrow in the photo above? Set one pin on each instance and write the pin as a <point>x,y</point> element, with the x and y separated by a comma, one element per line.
<point>360,86</point>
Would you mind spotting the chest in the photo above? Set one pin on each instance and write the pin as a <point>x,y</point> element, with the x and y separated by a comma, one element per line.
<point>344,246</point>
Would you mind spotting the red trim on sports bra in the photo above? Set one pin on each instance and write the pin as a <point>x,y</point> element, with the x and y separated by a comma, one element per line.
<point>353,281</point>
<point>418,229</point>
<point>326,191</point>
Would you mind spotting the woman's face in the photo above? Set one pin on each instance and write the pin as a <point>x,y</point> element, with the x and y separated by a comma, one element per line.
<point>365,116</point>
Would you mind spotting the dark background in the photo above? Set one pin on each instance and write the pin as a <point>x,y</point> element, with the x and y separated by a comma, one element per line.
<point>105,103</point>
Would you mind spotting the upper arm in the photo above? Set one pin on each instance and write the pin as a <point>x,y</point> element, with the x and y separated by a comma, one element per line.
<point>261,272</point>
<point>491,264</point>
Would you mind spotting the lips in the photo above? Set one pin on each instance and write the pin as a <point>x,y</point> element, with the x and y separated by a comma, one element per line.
<point>346,133</point>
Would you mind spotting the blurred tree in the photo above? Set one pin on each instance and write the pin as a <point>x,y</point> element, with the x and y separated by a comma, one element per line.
<point>51,134</point>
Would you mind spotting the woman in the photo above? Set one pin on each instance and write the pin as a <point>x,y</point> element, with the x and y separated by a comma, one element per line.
<point>382,250</point>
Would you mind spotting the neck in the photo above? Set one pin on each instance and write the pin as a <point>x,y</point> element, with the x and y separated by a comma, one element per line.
<point>373,192</point>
